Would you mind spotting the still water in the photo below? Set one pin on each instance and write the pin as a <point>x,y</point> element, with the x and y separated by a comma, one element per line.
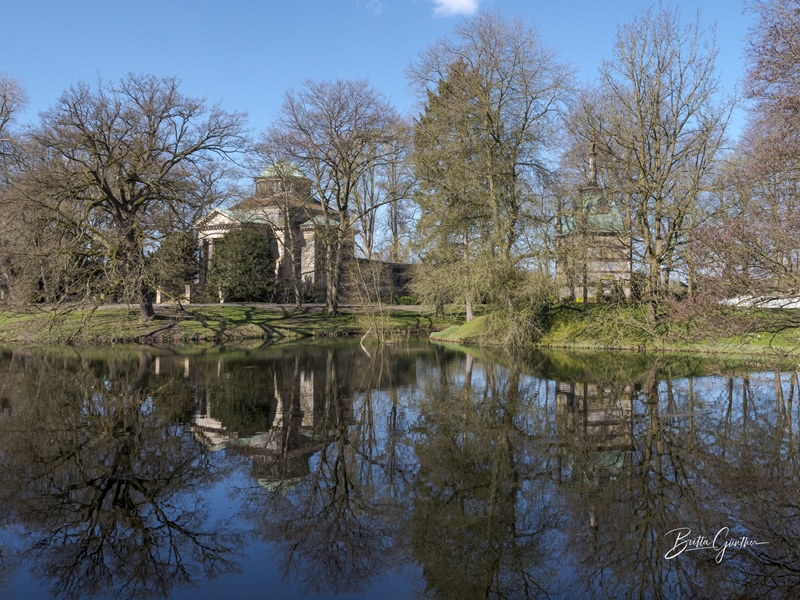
<point>413,471</point>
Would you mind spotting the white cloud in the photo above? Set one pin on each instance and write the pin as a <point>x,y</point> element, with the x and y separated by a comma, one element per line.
<point>449,8</point>
<point>375,6</point>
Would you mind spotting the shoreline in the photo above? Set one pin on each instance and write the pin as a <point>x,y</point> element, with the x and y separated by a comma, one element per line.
<point>226,323</point>
<point>218,323</point>
<point>765,344</point>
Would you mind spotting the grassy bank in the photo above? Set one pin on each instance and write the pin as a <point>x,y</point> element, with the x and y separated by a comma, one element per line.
<point>216,324</point>
<point>606,327</point>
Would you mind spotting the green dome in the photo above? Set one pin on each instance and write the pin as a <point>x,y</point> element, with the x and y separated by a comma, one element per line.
<point>282,170</point>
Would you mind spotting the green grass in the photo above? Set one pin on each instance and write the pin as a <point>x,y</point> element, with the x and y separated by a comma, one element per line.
<point>597,326</point>
<point>466,333</point>
<point>217,324</point>
<point>625,327</point>
<point>608,327</point>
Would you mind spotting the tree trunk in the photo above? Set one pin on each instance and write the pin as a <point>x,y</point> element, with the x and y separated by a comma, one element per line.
<point>146,311</point>
<point>334,270</point>
<point>134,261</point>
<point>295,269</point>
<point>470,315</point>
<point>651,310</point>
<point>653,286</point>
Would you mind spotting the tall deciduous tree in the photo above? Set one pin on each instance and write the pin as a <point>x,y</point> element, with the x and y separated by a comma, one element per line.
<point>12,99</point>
<point>119,162</point>
<point>754,251</point>
<point>491,95</point>
<point>336,132</point>
<point>773,81</point>
<point>658,116</point>
<point>380,202</point>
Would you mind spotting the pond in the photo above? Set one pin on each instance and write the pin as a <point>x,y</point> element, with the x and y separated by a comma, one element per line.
<point>324,470</point>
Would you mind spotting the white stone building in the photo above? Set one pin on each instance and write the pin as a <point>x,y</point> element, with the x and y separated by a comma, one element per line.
<point>284,209</point>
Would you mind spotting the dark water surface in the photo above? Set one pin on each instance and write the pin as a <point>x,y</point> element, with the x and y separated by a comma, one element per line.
<point>317,470</point>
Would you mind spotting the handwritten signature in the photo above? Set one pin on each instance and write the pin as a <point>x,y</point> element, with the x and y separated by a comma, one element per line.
<point>684,542</point>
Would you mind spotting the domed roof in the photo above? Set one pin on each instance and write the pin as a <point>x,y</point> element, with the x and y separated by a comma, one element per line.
<point>282,170</point>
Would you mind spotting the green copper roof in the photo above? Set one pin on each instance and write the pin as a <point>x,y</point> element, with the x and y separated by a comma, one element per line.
<point>596,214</point>
<point>607,223</point>
<point>282,170</point>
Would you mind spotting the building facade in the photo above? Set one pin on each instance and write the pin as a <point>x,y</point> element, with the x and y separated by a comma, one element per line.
<point>284,209</point>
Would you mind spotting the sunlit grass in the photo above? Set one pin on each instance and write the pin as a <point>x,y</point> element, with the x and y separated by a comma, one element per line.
<point>215,324</point>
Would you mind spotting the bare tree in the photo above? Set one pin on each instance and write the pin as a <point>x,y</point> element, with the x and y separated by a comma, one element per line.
<point>752,249</point>
<point>12,99</point>
<point>290,204</point>
<point>335,132</point>
<point>380,215</point>
<point>773,50</point>
<point>118,163</point>
<point>658,116</point>
<point>399,182</point>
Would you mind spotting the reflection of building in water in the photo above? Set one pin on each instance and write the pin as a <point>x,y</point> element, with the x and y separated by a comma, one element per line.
<point>305,392</point>
<point>596,422</point>
<point>595,414</point>
<point>280,406</point>
<point>296,415</point>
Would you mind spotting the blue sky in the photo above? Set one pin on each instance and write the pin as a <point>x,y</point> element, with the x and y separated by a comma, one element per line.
<point>247,54</point>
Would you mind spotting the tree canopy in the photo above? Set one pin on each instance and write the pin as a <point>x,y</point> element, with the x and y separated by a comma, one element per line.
<point>658,116</point>
<point>336,132</point>
<point>114,166</point>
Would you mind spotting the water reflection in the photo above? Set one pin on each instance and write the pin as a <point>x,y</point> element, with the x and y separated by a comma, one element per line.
<point>102,483</point>
<point>461,475</point>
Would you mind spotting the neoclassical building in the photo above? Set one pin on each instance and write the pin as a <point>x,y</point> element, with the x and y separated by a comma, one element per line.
<point>593,246</point>
<point>284,209</point>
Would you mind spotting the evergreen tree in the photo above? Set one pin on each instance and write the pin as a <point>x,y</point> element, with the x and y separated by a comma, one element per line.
<point>492,96</point>
<point>175,263</point>
<point>242,268</point>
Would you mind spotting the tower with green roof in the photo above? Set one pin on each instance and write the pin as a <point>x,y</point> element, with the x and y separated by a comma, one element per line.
<point>593,246</point>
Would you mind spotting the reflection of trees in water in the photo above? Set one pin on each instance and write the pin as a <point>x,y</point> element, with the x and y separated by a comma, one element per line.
<point>340,526</point>
<point>510,485</point>
<point>753,472</point>
<point>104,480</point>
<point>479,524</point>
<point>623,519</point>
<point>506,479</point>
<point>700,460</point>
<point>445,476</point>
